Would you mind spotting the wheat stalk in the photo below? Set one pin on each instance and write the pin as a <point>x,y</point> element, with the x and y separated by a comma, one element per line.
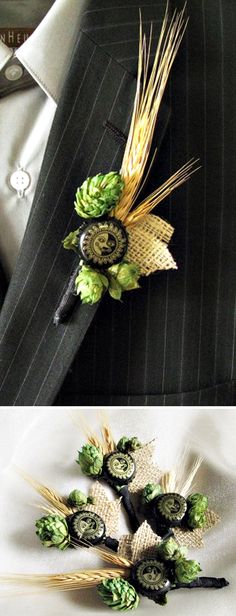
<point>147,102</point>
<point>181,478</point>
<point>48,494</point>
<point>74,580</point>
<point>109,444</point>
<point>179,177</point>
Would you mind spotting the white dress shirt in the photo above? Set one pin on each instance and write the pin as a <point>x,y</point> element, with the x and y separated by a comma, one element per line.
<point>26,115</point>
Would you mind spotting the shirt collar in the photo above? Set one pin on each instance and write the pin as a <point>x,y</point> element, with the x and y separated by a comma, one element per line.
<point>47,52</point>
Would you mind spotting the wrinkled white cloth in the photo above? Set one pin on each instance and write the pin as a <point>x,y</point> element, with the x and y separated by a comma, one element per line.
<point>44,443</point>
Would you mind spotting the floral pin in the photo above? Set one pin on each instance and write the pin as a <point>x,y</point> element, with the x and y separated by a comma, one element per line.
<point>118,238</point>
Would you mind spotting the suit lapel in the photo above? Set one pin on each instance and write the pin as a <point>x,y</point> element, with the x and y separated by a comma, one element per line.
<point>34,355</point>
<point>96,89</point>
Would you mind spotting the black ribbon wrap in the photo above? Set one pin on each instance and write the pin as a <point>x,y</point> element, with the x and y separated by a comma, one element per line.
<point>68,300</point>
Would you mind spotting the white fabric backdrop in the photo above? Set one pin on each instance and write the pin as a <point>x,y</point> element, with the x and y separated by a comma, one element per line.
<point>44,443</point>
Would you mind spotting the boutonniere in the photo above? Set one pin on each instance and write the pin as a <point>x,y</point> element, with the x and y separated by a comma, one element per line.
<point>144,566</point>
<point>167,500</point>
<point>174,508</point>
<point>151,561</point>
<point>118,238</point>
<point>76,520</point>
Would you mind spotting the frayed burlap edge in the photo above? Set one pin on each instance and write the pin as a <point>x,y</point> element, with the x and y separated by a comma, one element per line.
<point>109,510</point>
<point>143,543</point>
<point>146,470</point>
<point>148,245</point>
<point>194,538</point>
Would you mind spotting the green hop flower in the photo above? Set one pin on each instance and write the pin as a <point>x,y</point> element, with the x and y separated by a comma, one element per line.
<point>91,460</point>
<point>126,444</point>
<point>77,498</point>
<point>53,530</point>
<point>126,275</point>
<point>186,571</point>
<point>196,518</point>
<point>170,550</point>
<point>98,195</point>
<point>199,501</point>
<point>90,285</point>
<point>71,241</point>
<point>150,492</point>
<point>118,594</point>
<point>115,290</point>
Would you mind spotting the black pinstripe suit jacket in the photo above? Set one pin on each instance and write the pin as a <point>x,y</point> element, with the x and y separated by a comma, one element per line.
<point>173,341</point>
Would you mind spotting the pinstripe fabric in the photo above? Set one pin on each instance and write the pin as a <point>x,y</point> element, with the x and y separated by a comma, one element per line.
<point>173,341</point>
<point>34,355</point>
<point>3,286</point>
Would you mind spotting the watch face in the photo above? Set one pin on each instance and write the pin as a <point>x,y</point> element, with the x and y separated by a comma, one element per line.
<point>86,526</point>
<point>151,576</point>
<point>120,467</point>
<point>171,508</point>
<point>103,243</point>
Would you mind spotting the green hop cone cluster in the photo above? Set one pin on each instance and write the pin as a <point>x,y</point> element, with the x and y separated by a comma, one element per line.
<point>197,507</point>
<point>150,492</point>
<point>90,285</point>
<point>71,241</point>
<point>52,530</point>
<point>77,498</point>
<point>123,277</point>
<point>170,550</point>
<point>186,571</point>
<point>126,444</point>
<point>118,594</point>
<point>91,460</point>
<point>98,195</point>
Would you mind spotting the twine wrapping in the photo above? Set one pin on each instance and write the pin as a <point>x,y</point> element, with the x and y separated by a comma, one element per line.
<point>148,241</point>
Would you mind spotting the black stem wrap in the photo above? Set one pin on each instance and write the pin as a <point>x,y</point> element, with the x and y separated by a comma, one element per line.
<point>112,544</point>
<point>203,582</point>
<point>124,492</point>
<point>68,300</point>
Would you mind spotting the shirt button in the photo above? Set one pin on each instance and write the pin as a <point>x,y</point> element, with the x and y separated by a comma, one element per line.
<point>20,180</point>
<point>14,72</point>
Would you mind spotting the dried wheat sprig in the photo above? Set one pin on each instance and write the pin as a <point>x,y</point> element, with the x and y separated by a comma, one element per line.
<point>181,478</point>
<point>75,580</point>
<point>109,444</point>
<point>47,510</point>
<point>112,557</point>
<point>177,179</point>
<point>91,436</point>
<point>51,496</point>
<point>147,102</point>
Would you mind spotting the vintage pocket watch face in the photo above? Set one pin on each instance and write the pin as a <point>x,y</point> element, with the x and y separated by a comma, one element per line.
<point>87,526</point>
